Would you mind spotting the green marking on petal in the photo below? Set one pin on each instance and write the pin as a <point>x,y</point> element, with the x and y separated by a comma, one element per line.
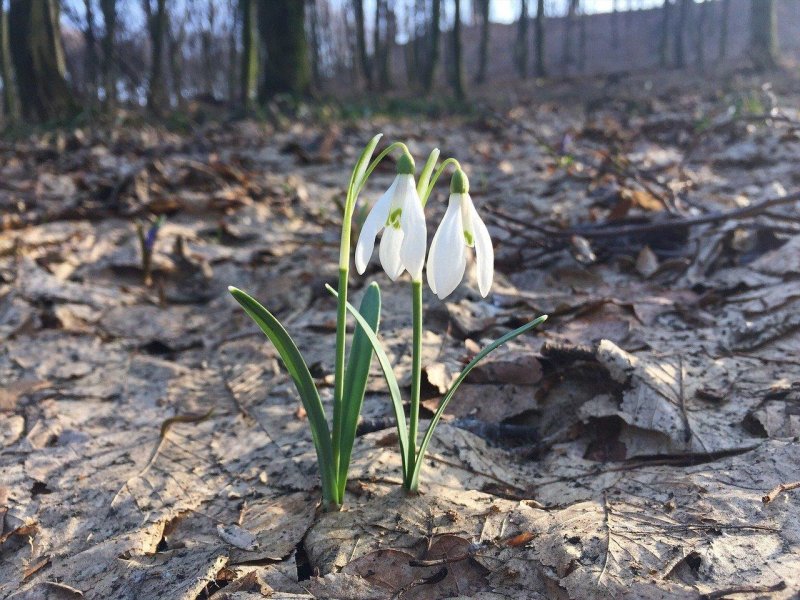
<point>393,220</point>
<point>469,238</point>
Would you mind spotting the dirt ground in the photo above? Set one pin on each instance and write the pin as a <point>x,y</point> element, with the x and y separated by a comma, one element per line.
<point>151,445</point>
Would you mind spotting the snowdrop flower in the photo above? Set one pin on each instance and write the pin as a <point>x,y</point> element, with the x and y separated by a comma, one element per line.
<point>399,213</point>
<point>461,227</point>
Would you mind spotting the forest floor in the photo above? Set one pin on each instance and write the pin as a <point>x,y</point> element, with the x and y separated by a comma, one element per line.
<point>151,446</point>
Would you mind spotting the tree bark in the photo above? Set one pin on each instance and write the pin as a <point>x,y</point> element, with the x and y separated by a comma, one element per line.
<point>433,54</point>
<point>157,100</point>
<point>723,30</point>
<point>521,43</point>
<point>680,33</point>
<point>249,12</point>
<point>541,71</point>
<point>566,57</point>
<point>361,43</point>
<point>38,57</point>
<point>10,100</point>
<point>109,10</point>
<point>763,34</point>
<point>281,26</point>
<point>483,51</point>
<point>390,33</point>
<point>700,35</point>
<point>458,68</point>
<point>663,45</point>
<point>91,50</point>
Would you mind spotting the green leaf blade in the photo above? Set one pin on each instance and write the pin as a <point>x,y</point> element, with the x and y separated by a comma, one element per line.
<point>298,370</point>
<point>388,373</point>
<point>355,379</point>
<point>451,392</point>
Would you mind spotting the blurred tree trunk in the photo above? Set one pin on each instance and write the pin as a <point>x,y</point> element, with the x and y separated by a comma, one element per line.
<point>680,33</point>
<point>700,35</point>
<point>433,48</point>
<point>207,49</point>
<point>157,99</point>
<point>457,78</point>
<point>361,42</point>
<point>91,50</point>
<point>176,40</point>
<point>281,26</point>
<point>763,34</point>
<point>38,57</point>
<point>377,42</point>
<point>663,44</point>
<point>483,51</point>
<point>723,30</point>
<point>541,71</point>
<point>521,43</point>
<point>615,24</point>
<point>582,41</point>
<point>249,12</point>
<point>109,10</point>
<point>389,34</point>
<point>10,100</point>
<point>569,23</point>
<point>316,77</point>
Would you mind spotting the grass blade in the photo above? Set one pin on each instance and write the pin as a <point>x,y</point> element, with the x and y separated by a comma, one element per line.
<point>449,395</point>
<point>298,370</point>
<point>355,380</point>
<point>391,380</point>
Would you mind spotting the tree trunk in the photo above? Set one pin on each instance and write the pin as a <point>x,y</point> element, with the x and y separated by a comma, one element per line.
<point>521,43</point>
<point>680,33</point>
<point>91,50</point>
<point>38,57</point>
<point>582,42</point>
<point>176,39</point>
<point>763,34</point>
<point>157,100</point>
<point>433,54</point>
<point>663,45</point>
<point>700,36</point>
<point>541,71</point>
<point>615,24</point>
<point>10,100</point>
<point>361,43</point>
<point>249,11</point>
<point>389,35</point>
<point>207,50</point>
<point>109,9</point>
<point>569,23</point>
<point>316,76</point>
<point>281,25</point>
<point>458,68</point>
<point>723,30</point>
<point>483,51</point>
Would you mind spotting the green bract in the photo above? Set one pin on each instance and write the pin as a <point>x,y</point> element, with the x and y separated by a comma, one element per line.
<point>334,444</point>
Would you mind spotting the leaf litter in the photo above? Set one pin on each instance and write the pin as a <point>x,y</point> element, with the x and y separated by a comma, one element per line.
<point>152,447</point>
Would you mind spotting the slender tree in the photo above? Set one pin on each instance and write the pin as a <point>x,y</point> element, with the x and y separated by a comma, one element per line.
<point>582,42</point>
<point>482,7</point>
<point>157,100</point>
<point>281,26</point>
<point>38,58</point>
<point>90,39</point>
<point>389,20</point>
<point>521,43</point>
<point>680,33</point>
<point>432,37</point>
<point>763,34</point>
<point>700,35</point>
<point>569,23</point>
<point>724,18</point>
<point>457,78</point>
<point>541,71</point>
<point>249,14</point>
<point>10,100</point>
<point>361,43</point>
<point>663,44</point>
<point>108,64</point>
<point>315,50</point>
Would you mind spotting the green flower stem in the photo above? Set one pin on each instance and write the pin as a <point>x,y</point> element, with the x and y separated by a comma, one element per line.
<point>338,390</point>
<point>450,161</point>
<point>425,176</point>
<point>416,378</point>
<point>376,162</point>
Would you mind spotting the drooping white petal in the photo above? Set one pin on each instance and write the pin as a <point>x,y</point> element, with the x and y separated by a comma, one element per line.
<point>391,243</point>
<point>412,221</point>
<point>484,252</point>
<point>372,225</point>
<point>447,258</point>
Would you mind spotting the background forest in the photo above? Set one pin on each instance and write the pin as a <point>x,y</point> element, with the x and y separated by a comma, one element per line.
<point>59,57</point>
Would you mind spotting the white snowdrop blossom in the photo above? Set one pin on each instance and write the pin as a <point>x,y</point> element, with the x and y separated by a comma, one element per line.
<point>399,214</point>
<point>460,228</point>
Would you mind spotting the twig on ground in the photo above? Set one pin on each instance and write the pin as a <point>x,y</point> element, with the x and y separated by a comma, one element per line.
<point>777,491</point>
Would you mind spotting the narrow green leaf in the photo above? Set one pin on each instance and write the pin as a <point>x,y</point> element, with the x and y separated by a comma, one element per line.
<point>298,370</point>
<point>355,380</point>
<point>449,395</point>
<point>362,164</point>
<point>391,380</point>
